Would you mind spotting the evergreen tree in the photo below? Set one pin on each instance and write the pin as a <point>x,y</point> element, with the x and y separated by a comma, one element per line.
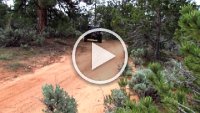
<point>160,22</point>
<point>147,23</point>
<point>3,12</point>
<point>43,11</point>
<point>188,37</point>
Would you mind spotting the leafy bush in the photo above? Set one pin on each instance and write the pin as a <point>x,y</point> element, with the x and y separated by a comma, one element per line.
<point>20,37</point>
<point>20,21</point>
<point>138,61</point>
<point>140,84</point>
<point>170,96</point>
<point>153,85</point>
<point>39,40</point>
<point>14,66</point>
<point>138,55</point>
<point>164,85</point>
<point>117,98</point>
<point>177,74</point>
<point>62,32</point>
<point>57,100</point>
<point>140,52</point>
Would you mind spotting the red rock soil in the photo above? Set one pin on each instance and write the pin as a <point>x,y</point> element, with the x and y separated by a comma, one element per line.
<point>23,94</point>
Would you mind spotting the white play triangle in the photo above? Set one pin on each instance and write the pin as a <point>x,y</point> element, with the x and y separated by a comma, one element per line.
<point>100,56</point>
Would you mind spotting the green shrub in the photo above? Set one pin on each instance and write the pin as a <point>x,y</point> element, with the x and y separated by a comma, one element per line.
<point>39,40</point>
<point>7,56</point>
<point>117,98</point>
<point>177,74</point>
<point>155,67</point>
<point>140,52</point>
<point>138,55</point>
<point>19,37</point>
<point>61,32</point>
<point>57,100</point>
<point>140,84</point>
<point>14,66</point>
<point>158,80</point>
<point>138,61</point>
<point>123,82</point>
<point>157,89</point>
<point>145,105</point>
<point>187,35</point>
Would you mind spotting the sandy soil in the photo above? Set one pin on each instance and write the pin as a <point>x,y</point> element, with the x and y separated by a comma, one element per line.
<point>23,94</point>
<point>106,71</point>
<point>18,61</point>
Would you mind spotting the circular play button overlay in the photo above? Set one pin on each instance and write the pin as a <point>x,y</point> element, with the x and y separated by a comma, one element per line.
<point>99,56</point>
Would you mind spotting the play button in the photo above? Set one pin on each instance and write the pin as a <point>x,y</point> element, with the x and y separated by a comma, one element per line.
<point>99,63</point>
<point>100,56</point>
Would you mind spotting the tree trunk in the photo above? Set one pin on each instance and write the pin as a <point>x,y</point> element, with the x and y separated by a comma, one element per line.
<point>41,20</point>
<point>95,18</point>
<point>158,30</point>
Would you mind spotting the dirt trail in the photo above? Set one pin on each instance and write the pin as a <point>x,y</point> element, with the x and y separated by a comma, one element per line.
<point>106,71</point>
<point>23,94</point>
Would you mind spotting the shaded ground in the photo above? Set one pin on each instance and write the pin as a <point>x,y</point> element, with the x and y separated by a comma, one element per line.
<point>15,62</point>
<point>23,94</point>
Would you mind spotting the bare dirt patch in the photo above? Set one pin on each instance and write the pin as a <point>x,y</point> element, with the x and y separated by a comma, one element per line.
<point>23,94</point>
<point>15,62</point>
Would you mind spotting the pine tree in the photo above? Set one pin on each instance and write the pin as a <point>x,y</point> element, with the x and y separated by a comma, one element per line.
<point>188,37</point>
<point>161,21</point>
<point>40,10</point>
<point>3,13</point>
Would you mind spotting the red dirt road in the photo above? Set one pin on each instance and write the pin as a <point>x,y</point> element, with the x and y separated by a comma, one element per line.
<point>23,94</point>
